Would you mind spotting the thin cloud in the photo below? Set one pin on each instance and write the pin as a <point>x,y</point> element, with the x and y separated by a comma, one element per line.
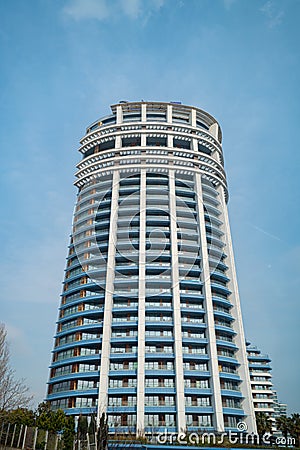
<point>18,340</point>
<point>265,232</point>
<point>273,15</point>
<point>103,9</point>
<point>87,9</point>
<point>228,3</point>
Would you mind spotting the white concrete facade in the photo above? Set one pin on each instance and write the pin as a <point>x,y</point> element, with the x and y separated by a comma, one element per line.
<point>262,389</point>
<point>150,329</point>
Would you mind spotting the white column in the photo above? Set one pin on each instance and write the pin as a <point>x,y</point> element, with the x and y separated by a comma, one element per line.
<point>7,434</point>
<point>170,140</point>
<point>143,140</point>
<point>46,439</point>
<point>144,119</point>
<point>179,381</point>
<point>13,437</point>
<point>34,439</point>
<point>195,144</point>
<point>208,304</point>
<point>193,118</point>
<point>108,305</point>
<point>169,113</point>
<point>169,120</point>
<point>20,433</point>
<point>140,425</point>
<point>119,114</point>
<point>144,112</point>
<point>214,130</point>
<point>118,142</point>
<point>24,437</point>
<point>241,354</point>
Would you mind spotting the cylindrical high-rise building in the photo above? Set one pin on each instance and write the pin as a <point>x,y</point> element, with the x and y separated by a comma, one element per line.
<point>150,328</point>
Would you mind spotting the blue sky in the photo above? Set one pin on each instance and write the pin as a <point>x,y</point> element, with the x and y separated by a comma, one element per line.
<point>64,62</point>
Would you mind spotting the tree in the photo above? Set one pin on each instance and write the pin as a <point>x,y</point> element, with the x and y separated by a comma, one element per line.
<point>289,426</point>
<point>93,425</point>
<point>283,424</point>
<point>69,432</point>
<point>263,423</point>
<point>82,427</point>
<point>56,421</point>
<point>294,427</point>
<point>13,392</point>
<point>21,416</point>
<point>50,420</point>
<point>43,416</point>
<point>102,433</point>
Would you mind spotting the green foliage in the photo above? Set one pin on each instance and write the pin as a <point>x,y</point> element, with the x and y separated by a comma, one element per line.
<point>69,433</point>
<point>40,445</point>
<point>263,423</point>
<point>102,433</point>
<point>82,428</point>
<point>50,420</point>
<point>283,424</point>
<point>21,416</point>
<point>58,420</point>
<point>43,416</point>
<point>92,426</point>
<point>295,427</point>
<point>290,426</point>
